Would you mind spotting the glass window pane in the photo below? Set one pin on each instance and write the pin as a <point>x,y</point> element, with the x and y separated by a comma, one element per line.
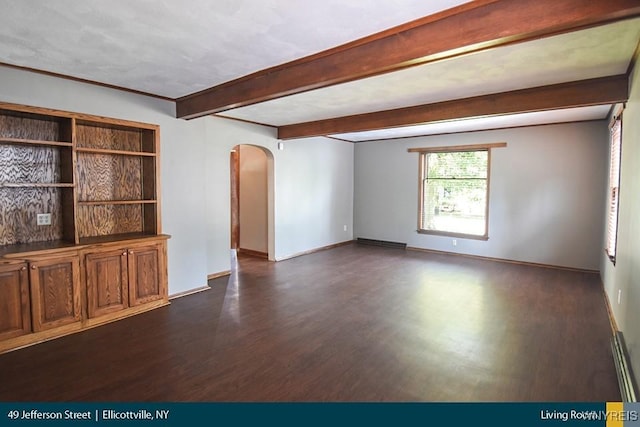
<point>455,192</point>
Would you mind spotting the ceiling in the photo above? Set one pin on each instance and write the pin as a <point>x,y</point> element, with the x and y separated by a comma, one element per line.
<point>175,49</point>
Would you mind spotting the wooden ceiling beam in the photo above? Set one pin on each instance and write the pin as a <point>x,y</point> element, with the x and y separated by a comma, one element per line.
<point>470,27</point>
<point>605,90</point>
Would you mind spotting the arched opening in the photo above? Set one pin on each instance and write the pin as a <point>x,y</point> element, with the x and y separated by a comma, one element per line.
<point>252,231</point>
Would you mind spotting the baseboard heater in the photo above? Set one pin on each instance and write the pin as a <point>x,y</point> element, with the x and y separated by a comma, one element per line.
<point>626,379</point>
<point>384,243</point>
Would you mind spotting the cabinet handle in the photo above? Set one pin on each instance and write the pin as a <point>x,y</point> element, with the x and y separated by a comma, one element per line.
<point>130,252</point>
<point>23,268</point>
<point>33,267</point>
<point>124,253</point>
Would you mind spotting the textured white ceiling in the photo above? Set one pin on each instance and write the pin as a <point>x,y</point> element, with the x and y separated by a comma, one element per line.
<point>173,48</point>
<point>596,112</point>
<point>596,52</point>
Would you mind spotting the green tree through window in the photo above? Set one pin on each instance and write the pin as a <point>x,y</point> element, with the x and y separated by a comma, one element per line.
<point>454,193</point>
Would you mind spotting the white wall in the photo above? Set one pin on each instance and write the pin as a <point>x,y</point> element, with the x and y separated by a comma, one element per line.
<point>195,175</point>
<point>624,277</point>
<point>546,196</point>
<point>253,199</point>
<point>312,184</point>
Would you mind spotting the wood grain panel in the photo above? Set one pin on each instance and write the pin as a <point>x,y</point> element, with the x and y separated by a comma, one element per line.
<point>149,141</point>
<point>144,270</point>
<point>29,164</point>
<point>103,177</point>
<point>150,218</point>
<point>18,215</point>
<point>149,178</point>
<point>32,126</point>
<point>103,220</point>
<point>68,208</point>
<point>56,295</point>
<point>15,312</point>
<point>234,166</point>
<point>107,289</point>
<point>55,288</point>
<point>108,138</point>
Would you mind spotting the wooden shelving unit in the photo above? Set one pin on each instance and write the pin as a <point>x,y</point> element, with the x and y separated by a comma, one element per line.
<point>34,142</point>
<point>119,152</point>
<point>98,179</point>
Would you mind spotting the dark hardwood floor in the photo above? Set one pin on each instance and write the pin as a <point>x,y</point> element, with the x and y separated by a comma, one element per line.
<point>355,323</point>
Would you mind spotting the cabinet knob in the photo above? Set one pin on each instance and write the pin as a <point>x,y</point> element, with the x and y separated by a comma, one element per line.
<point>33,267</point>
<point>23,268</point>
<point>124,253</point>
<point>131,252</point>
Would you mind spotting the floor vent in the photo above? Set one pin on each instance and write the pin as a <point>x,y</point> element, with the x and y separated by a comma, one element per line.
<point>386,244</point>
<point>623,368</point>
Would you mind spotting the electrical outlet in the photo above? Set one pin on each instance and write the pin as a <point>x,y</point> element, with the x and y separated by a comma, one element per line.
<point>619,295</point>
<point>454,242</point>
<point>43,219</point>
<point>345,228</point>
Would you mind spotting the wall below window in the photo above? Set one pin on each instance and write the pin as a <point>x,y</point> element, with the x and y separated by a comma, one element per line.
<point>547,191</point>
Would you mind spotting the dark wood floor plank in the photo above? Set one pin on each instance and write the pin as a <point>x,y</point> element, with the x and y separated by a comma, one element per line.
<point>355,323</point>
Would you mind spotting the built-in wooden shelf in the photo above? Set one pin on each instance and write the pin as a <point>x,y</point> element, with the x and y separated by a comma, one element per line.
<point>116,202</point>
<point>26,249</point>
<point>22,250</point>
<point>43,143</point>
<point>97,178</point>
<point>120,152</point>
<point>124,237</point>
<point>36,185</point>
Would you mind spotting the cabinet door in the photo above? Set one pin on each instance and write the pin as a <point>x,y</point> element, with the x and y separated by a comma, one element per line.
<point>55,292</point>
<point>107,289</point>
<point>15,313</point>
<point>146,266</point>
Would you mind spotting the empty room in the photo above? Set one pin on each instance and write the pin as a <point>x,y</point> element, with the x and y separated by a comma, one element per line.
<point>367,201</point>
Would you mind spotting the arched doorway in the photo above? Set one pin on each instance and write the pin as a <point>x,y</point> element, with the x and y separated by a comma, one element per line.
<point>251,169</point>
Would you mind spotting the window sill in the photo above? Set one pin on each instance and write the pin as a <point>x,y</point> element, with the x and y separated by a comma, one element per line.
<point>450,234</point>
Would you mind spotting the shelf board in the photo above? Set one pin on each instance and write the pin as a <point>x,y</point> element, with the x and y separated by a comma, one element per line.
<point>116,202</point>
<point>120,152</point>
<point>25,248</point>
<point>22,250</point>
<point>34,142</point>
<point>35,185</point>
<point>93,240</point>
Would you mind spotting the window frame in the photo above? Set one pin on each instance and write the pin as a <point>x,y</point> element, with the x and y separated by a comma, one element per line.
<point>422,178</point>
<point>613,191</point>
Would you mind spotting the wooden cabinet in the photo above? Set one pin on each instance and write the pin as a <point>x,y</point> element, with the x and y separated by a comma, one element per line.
<point>15,305</point>
<point>55,291</point>
<point>125,277</point>
<point>146,264</point>
<point>80,232</point>
<point>107,282</point>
